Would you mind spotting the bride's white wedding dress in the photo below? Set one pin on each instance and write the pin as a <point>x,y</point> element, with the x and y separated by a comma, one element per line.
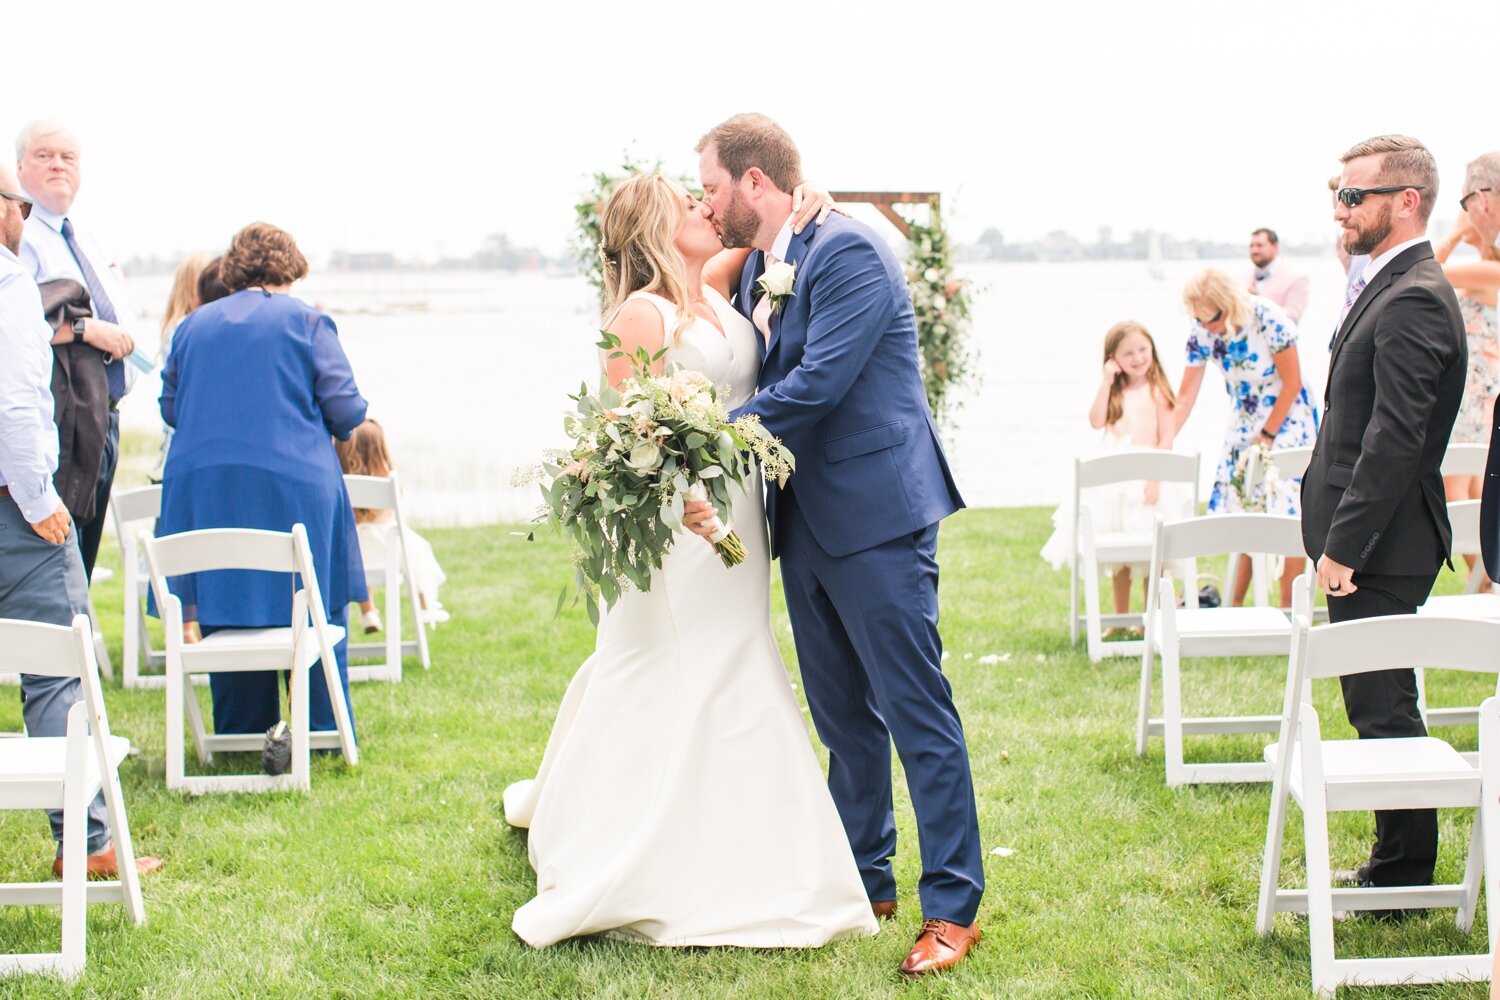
<point>679,801</point>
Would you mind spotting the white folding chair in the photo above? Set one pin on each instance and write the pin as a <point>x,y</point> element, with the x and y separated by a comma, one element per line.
<point>304,642</point>
<point>1464,516</point>
<point>128,509</point>
<point>65,772</point>
<point>1193,632</point>
<point>1325,776</point>
<point>1465,460</point>
<point>1290,463</point>
<point>384,493</point>
<point>1092,549</point>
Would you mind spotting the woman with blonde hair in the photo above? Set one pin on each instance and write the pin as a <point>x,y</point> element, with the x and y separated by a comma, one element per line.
<point>1254,343</point>
<point>679,802</point>
<point>185,296</point>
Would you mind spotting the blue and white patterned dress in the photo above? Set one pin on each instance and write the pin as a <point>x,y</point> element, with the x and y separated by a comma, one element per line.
<point>1253,385</point>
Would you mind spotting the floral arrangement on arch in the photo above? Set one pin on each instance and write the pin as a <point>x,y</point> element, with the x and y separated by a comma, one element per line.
<point>591,204</point>
<point>941,302</point>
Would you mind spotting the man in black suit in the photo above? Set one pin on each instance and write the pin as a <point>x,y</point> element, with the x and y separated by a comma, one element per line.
<point>1373,514</point>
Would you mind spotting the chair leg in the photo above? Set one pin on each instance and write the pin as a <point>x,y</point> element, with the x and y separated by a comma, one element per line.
<point>1143,701</point>
<point>1270,868</point>
<point>134,630</point>
<point>195,720</point>
<point>393,626</point>
<point>177,683</point>
<point>1171,690</point>
<point>75,839</point>
<point>301,734</point>
<point>1073,596</point>
<point>1093,626</point>
<point>416,611</point>
<point>1473,872</point>
<point>119,831</point>
<point>1319,877</point>
<point>1489,818</point>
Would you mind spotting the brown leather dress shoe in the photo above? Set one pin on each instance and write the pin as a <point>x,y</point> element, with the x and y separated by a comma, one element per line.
<point>104,865</point>
<point>940,945</point>
<point>884,909</point>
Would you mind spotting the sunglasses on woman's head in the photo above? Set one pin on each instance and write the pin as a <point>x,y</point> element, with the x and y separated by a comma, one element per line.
<point>1353,196</point>
<point>25,202</point>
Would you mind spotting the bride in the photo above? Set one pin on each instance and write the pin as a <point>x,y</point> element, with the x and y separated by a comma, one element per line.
<point>679,801</point>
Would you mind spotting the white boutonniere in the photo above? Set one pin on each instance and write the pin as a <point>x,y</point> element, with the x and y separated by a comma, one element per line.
<point>777,282</point>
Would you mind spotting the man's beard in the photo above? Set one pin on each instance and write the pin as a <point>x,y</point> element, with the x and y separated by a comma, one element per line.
<point>1362,241</point>
<point>738,225</point>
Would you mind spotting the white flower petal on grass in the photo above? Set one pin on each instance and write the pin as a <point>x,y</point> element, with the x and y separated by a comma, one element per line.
<point>989,660</point>
<point>1002,852</point>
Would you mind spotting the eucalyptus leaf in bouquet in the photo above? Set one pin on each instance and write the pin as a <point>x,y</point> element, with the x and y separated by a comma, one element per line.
<point>639,452</point>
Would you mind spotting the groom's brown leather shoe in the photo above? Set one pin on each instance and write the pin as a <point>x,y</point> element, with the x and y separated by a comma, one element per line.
<point>884,909</point>
<point>940,945</point>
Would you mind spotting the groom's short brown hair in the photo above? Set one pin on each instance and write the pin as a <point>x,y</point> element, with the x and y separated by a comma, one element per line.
<point>754,140</point>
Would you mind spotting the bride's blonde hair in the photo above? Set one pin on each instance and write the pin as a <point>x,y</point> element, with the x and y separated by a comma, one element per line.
<point>638,252</point>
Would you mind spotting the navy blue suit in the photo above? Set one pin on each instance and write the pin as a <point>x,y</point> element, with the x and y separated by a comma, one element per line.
<point>856,531</point>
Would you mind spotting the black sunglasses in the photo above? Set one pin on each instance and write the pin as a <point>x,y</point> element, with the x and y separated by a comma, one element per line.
<point>25,202</point>
<point>1212,319</point>
<point>1463,203</point>
<point>1353,196</point>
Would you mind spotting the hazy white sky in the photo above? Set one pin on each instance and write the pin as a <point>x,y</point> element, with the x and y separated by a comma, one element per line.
<point>423,126</point>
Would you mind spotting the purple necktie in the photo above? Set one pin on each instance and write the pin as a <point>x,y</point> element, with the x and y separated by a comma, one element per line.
<point>1350,297</point>
<point>103,308</point>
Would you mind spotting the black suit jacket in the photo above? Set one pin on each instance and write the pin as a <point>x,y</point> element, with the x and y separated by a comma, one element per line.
<point>80,398</point>
<point>1372,497</point>
<point>1489,507</point>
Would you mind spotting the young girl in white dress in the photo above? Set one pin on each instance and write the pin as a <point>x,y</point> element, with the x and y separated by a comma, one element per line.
<point>679,801</point>
<point>365,454</point>
<point>1134,408</point>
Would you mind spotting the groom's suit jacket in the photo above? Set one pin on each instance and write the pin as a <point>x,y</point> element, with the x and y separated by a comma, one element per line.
<point>840,384</point>
<point>1372,497</point>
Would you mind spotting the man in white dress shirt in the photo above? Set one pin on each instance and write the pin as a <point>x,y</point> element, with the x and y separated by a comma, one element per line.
<point>48,165</point>
<point>41,570</point>
<point>1272,279</point>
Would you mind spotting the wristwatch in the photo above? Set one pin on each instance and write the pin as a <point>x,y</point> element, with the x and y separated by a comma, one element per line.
<point>78,325</point>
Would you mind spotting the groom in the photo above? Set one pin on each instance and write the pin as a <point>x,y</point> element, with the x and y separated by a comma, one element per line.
<point>856,527</point>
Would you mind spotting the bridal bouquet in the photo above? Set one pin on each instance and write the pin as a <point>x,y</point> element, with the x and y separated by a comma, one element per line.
<point>639,451</point>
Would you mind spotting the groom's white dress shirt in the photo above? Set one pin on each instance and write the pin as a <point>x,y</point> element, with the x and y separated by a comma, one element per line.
<point>762,314</point>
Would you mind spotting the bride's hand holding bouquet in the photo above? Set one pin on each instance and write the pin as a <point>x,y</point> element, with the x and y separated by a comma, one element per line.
<point>640,452</point>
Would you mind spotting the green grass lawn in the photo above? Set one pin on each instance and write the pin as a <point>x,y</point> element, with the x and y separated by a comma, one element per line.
<point>399,877</point>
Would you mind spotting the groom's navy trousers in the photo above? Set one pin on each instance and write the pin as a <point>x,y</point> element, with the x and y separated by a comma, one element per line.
<point>866,630</point>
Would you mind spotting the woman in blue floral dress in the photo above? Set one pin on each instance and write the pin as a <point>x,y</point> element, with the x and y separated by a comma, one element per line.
<point>1254,342</point>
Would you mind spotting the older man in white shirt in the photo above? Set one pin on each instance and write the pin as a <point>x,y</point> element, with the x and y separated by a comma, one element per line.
<point>41,570</point>
<point>48,165</point>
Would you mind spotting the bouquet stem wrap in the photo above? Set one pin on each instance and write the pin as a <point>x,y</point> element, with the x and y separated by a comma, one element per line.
<point>726,541</point>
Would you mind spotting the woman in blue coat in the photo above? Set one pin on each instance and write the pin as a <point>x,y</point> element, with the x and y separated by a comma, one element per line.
<point>256,388</point>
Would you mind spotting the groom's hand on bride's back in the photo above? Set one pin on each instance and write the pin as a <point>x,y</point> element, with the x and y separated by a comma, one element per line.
<point>701,518</point>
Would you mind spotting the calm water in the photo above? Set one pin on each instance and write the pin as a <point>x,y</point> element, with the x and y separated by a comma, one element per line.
<point>469,372</point>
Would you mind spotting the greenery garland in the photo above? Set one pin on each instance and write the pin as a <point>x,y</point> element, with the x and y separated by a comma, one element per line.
<point>941,303</point>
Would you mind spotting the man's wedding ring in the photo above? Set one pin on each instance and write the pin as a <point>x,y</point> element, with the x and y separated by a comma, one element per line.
<point>1335,586</point>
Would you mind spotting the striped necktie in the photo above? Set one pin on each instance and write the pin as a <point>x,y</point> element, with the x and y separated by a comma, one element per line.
<point>1350,297</point>
<point>103,308</point>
